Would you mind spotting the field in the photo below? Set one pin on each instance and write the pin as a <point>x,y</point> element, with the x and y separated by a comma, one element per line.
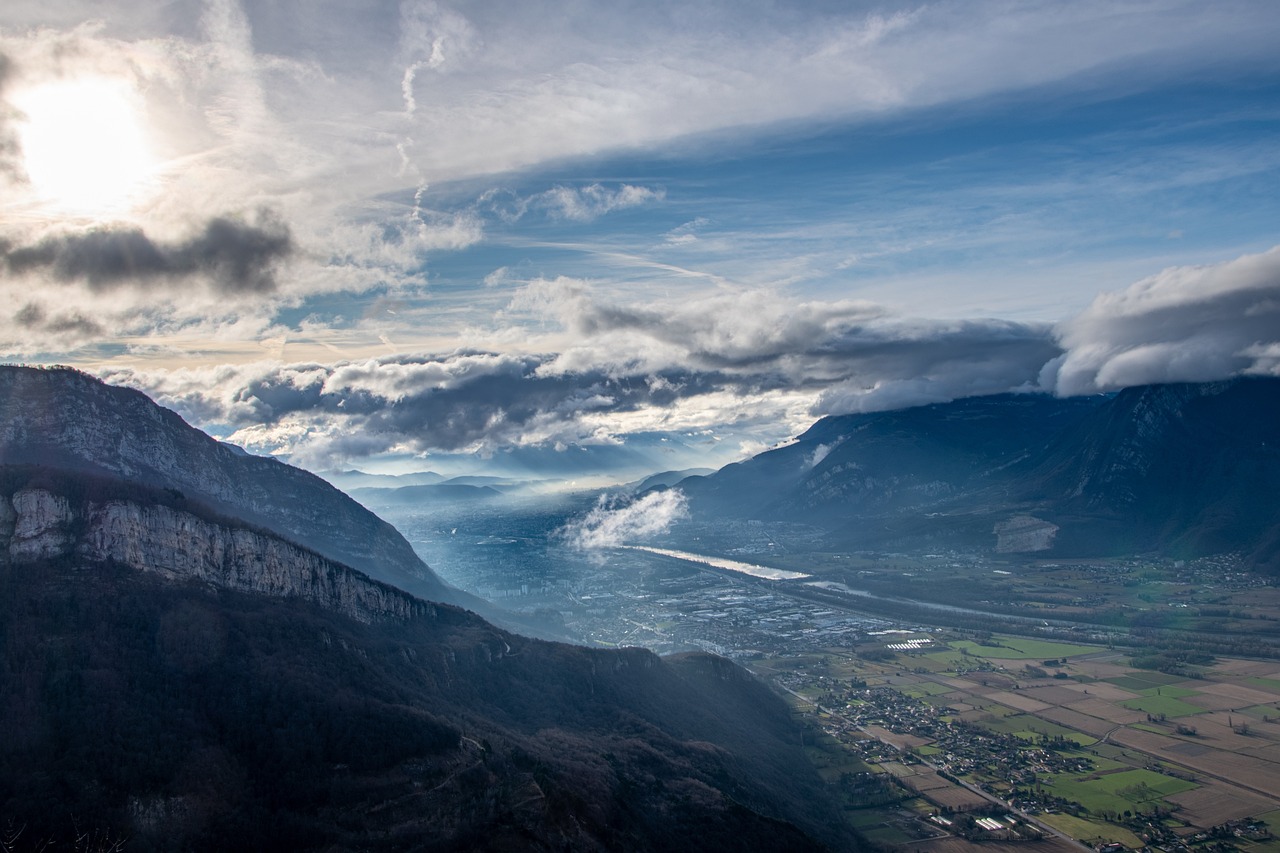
<point>1021,648</point>
<point>1199,751</point>
<point>1091,831</point>
<point>1166,705</point>
<point>1128,790</point>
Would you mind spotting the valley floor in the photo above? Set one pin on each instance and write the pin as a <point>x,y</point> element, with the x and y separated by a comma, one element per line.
<point>1040,738</point>
<point>960,703</point>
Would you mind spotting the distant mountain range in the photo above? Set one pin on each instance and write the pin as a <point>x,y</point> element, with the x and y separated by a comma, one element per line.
<point>1182,469</point>
<point>190,661</point>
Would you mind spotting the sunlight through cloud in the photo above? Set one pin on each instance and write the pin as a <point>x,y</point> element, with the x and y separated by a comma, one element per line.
<point>84,148</point>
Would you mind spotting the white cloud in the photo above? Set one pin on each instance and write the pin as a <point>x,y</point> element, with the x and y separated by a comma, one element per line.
<point>819,453</point>
<point>317,111</point>
<point>591,202</point>
<point>1184,324</point>
<point>684,235</point>
<point>619,521</point>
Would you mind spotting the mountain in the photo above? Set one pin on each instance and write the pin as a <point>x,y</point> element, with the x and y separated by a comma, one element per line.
<point>886,464</point>
<point>348,480</point>
<point>422,495</point>
<point>1182,468</point>
<point>669,478</point>
<point>66,420</point>
<point>1187,468</point>
<point>185,677</point>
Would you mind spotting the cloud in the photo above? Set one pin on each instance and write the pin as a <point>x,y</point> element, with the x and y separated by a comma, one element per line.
<point>534,85</point>
<point>591,202</point>
<point>751,364</point>
<point>575,204</point>
<point>233,257</point>
<point>33,316</point>
<point>687,233</point>
<point>463,401</point>
<point>738,360</point>
<point>617,521</point>
<point>819,453</point>
<point>1184,324</point>
<point>854,355</point>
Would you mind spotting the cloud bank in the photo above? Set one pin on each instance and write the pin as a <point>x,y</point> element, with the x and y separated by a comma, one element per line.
<point>1185,324</point>
<point>616,521</point>
<point>740,360</point>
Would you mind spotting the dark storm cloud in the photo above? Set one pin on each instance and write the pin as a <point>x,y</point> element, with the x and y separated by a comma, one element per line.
<point>234,257</point>
<point>470,400</point>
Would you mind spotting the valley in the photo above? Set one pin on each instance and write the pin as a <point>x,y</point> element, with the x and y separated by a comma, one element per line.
<point>1133,701</point>
<point>953,695</point>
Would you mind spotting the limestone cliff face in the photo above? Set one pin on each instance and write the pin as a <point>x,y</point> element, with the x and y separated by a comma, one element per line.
<point>36,524</point>
<point>66,420</point>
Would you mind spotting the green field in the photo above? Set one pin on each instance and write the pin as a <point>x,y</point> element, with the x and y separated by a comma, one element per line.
<point>1141,679</point>
<point>947,659</point>
<point>1260,711</point>
<point>1170,691</point>
<point>1272,684</point>
<point>1167,705</point>
<point>1078,738</point>
<point>1088,830</point>
<point>1271,819</point>
<point>1021,648</point>
<point>1030,727</point>
<point>863,818</point>
<point>1127,790</point>
<point>886,834</point>
<point>926,688</point>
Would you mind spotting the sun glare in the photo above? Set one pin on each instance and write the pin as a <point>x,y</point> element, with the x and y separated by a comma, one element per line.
<point>84,147</point>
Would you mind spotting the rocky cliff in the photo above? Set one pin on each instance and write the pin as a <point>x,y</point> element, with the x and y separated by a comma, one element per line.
<point>37,524</point>
<point>66,420</point>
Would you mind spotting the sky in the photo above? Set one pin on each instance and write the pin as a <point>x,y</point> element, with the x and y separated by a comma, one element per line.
<point>588,241</point>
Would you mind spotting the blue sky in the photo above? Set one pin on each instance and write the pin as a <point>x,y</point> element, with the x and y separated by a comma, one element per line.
<point>1021,206</point>
<point>603,238</point>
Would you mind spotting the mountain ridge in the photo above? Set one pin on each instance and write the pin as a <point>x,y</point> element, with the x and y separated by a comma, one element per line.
<point>62,418</point>
<point>48,515</point>
<point>1181,468</point>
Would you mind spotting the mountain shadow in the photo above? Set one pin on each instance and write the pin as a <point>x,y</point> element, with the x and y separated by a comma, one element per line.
<point>180,676</point>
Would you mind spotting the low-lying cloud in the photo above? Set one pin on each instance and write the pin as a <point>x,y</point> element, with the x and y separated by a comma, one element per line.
<point>617,521</point>
<point>1184,324</point>
<point>463,401</point>
<point>852,355</point>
